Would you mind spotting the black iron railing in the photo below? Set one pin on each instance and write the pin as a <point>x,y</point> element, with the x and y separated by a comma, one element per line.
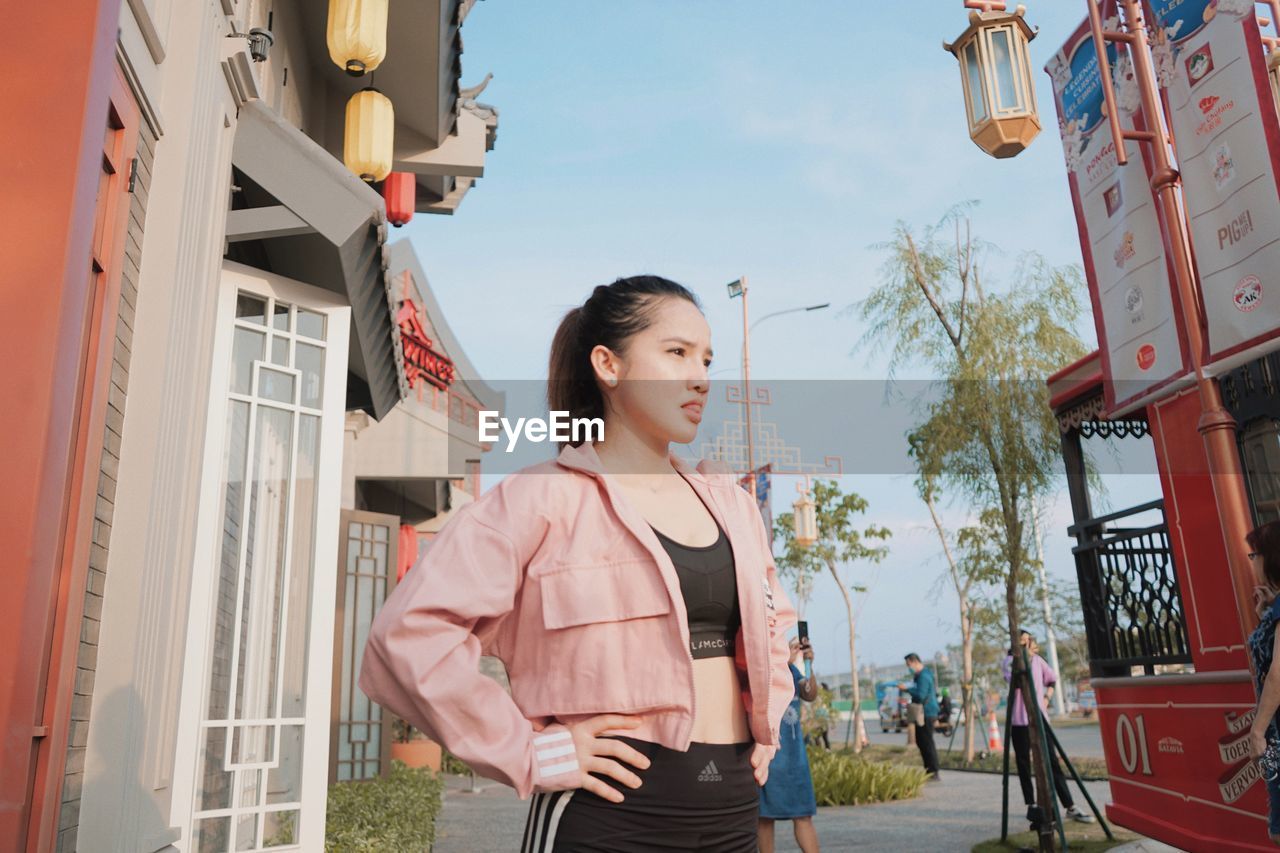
<point>1129,590</point>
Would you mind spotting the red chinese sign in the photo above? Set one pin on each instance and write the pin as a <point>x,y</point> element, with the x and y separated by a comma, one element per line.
<point>421,361</point>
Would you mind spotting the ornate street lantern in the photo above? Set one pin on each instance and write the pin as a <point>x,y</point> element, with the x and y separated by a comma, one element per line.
<point>357,34</point>
<point>370,130</point>
<point>804,512</point>
<point>995,70</point>
<point>401,192</point>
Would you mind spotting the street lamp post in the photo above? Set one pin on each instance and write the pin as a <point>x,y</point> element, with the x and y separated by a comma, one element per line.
<point>739,288</point>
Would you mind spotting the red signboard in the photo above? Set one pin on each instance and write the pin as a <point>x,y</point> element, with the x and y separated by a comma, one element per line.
<point>1126,256</point>
<point>421,361</point>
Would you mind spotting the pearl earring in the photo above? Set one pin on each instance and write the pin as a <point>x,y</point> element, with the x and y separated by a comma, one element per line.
<point>613,380</point>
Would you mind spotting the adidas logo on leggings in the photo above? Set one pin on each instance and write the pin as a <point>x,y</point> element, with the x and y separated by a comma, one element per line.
<point>710,773</point>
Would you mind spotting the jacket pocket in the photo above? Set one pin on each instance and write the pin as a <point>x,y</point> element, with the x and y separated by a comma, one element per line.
<point>607,592</point>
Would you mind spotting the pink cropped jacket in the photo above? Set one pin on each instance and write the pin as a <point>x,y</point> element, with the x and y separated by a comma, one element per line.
<point>556,574</point>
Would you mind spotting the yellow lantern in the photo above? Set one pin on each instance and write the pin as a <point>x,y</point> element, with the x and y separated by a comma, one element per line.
<point>357,34</point>
<point>995,70</point>
<point>370,133</point>
<point>804,514</point>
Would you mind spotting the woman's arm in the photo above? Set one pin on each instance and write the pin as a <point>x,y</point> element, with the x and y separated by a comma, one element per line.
<point>1268,703</point>
<point>809,686</point>
<point>421,661</point>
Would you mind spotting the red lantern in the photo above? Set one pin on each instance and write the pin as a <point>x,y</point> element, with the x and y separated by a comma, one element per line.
<point>400,189</point>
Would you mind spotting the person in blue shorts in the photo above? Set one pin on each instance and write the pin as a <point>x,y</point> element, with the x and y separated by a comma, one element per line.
<point>788,792</point>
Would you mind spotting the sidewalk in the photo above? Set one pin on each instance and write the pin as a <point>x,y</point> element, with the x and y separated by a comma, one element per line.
<point>951,816</point>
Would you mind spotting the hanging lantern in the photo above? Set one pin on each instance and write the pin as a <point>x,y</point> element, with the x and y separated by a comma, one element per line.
<point>357,34</point>
<point>401,192</point>
<point>995,71</point>
<point>370,132</point>
<point>804,514</point>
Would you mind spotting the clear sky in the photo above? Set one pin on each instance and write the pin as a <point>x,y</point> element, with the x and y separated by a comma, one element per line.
<point>711,139</point>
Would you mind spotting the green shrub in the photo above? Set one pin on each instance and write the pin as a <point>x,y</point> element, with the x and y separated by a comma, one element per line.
<point>452,764</point>
<point>840,778</point>
<point>395,813</point>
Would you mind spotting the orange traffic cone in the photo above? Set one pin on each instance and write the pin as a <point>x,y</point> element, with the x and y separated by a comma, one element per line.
<point>993,734</point>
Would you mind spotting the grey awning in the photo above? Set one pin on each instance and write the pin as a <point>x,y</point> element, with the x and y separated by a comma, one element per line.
<point>314,221</point>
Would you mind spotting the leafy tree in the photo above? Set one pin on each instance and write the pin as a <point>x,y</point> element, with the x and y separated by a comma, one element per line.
<point>989,437</point>
<point>840,542</point>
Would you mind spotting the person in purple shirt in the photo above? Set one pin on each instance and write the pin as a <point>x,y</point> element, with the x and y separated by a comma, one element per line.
<point>1043,680</point>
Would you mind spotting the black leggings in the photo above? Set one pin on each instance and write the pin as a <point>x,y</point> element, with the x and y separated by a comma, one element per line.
<point>703,800</point>
<point>1021,738</point>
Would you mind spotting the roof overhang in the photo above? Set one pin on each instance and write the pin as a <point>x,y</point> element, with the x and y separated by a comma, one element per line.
<point>441,133</point>
<point>315,222</point>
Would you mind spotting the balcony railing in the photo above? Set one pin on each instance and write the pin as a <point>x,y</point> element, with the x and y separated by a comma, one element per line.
<point>1129,590</point>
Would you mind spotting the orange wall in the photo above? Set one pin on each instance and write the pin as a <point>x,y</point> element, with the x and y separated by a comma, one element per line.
<point>54,115</point>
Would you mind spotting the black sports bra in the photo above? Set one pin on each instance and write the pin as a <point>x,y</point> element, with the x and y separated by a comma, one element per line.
<point>710,590</point>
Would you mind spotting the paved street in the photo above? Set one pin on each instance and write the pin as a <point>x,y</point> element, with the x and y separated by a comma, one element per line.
<point>1081,741</point>
<point>951,816</point>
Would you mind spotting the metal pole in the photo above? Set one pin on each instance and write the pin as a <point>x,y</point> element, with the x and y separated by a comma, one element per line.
<point>1062,753</point>
<point>1216,427</point>
<point>746,388</point>
<point>1059,707</point>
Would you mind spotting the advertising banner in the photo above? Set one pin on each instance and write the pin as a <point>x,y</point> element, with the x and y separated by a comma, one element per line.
<point>1126,260</point>
<point>763,477</point>
<point>1212,71</point>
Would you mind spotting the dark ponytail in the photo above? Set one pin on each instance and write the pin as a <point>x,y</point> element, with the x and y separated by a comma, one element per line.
<point>612,314</point>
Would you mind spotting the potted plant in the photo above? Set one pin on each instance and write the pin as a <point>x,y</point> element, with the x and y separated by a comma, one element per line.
<point>413,747</point>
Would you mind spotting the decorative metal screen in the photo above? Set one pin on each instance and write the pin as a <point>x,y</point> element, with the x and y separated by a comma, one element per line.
<point>360,747</point>
<point>249,773</point>
<point>1129,591</point>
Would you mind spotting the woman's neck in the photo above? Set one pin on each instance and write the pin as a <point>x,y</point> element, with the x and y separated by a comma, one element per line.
<point>627,452</point>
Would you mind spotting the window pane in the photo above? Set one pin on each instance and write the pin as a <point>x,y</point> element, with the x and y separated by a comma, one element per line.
<point>281,318</point>
<point>284,782</point>
<point>307,467</point>
<point>310,361</point>
<point>280,351</point>
<point>1002,60</point>
<point>259,627</point>
<point>247,832</point>
<point>214,782</point>
<point>232,506</point>
<point>280,829</point>
<point>212,835</point>
<point>311,324</point>
<point>274,385</point>
<point>973,76</point>
<point>251,308</point>
<point>244,352</point>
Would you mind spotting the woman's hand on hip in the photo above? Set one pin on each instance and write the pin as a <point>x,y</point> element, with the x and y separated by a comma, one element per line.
<point>761,755</point>
<point>603,755</point>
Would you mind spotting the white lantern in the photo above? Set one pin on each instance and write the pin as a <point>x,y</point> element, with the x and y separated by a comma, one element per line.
<point>995,70</point>
<point>370,132</point>
<point>804,513</point>
<point>357,34</point>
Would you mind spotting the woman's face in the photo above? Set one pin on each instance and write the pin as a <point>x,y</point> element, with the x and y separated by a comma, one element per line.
<point>662,375</point>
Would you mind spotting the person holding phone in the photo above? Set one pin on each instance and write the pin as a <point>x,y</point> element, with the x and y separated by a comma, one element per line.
<point>788,792</point>
<point>632,597</point>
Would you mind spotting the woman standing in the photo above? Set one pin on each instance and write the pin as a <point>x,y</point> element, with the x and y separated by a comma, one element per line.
<point>788,795</point>
<point>1264,648</point>
<point>632,598</point>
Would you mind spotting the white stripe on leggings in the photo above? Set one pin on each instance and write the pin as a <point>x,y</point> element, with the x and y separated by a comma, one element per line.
<point>535,840</point>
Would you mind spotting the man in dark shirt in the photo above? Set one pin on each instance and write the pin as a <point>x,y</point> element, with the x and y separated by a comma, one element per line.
<point>924,692</point>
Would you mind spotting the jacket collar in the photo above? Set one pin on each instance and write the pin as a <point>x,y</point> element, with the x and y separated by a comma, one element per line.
<point>584,458</point>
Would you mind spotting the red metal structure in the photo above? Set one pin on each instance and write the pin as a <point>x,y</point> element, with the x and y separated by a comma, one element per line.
<point>65,202</point>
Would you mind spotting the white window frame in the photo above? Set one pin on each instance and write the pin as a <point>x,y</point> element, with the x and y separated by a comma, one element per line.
<point>314,792</point>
